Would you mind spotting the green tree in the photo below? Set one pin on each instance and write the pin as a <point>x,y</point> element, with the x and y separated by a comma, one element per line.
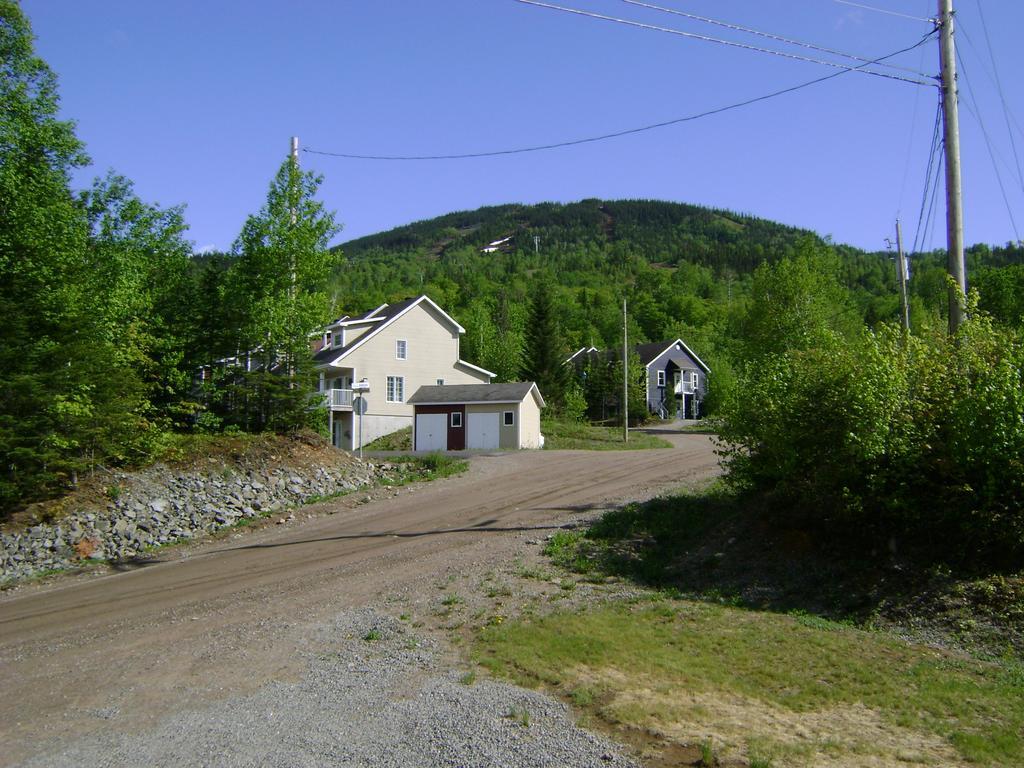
<point>138,265</point>
<point>65,399</point>
<point>275,291</point>
<point>544,360</point>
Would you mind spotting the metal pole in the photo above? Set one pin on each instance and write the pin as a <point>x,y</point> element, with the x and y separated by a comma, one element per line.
<point>625,377</point>
<point>901,270</point>
<point>360,430</point>
<point>951,143</point>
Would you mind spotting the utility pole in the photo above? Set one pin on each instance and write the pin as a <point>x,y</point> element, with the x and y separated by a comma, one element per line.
<point>951,143</point>
<point>293,178</point>
<point>625,377</point>
<point>901,270</point>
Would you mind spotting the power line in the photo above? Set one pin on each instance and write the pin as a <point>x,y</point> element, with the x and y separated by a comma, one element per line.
<point>720,41</point>
<point>976,111</point>
<point>768,35</point>
<point>963,30</point>
<point>933,151</point>
<point>1002,96</point>
<point>614,135</point>
<point>884,10</point>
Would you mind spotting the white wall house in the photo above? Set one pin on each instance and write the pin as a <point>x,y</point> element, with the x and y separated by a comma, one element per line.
<point>396,348</point>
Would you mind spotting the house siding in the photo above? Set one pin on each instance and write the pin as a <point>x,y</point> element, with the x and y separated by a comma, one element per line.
<point>432,351</point>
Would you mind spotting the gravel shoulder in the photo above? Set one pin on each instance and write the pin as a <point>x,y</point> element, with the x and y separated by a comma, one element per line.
<point>332,640</point>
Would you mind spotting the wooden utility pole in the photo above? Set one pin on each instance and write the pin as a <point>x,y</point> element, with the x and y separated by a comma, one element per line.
<point>625,377</point>
<point>901,270</point>
<point>951,144</point>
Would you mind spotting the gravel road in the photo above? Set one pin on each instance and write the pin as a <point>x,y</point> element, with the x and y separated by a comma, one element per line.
<point>323,642</point>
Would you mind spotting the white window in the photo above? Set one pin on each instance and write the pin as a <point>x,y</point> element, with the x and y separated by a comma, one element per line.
<point>440,382</point>
<point>396,389</point>
<point>510,418</point>
<point>693,379</point>
<point>338,339</point>
<point>401,348</point>
<point>661,378</point>
<point>456,418</point>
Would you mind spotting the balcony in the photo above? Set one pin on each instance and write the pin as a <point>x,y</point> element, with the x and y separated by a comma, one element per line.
<point>339,399</point>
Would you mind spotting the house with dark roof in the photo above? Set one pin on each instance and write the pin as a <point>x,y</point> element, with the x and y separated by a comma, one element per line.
<point>676,381</point>
<point>382,357</point>
<point>477,417</point>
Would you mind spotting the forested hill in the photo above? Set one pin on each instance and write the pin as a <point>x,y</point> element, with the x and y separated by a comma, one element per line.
<point>685,270</point>
<point>681,267</point>
<point>661,232</point>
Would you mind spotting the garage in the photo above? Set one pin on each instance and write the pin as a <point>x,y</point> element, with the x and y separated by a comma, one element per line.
<point>431,432</point>
<point>482,417</point>
<point>482,431</point>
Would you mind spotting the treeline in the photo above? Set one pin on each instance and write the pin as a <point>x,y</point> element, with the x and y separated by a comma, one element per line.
<point>108,322</point>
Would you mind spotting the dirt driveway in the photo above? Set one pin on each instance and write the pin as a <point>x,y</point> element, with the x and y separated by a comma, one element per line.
<point>202,623</point>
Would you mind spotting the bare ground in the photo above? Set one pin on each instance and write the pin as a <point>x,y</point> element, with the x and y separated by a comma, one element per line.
<point>125,651</point>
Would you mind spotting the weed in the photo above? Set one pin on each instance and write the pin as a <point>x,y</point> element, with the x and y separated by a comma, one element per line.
<point>582,697</point>
<point>403,617</point>
<point>468,678</point>
<point>519,715</point>
<point>452,600</point>
<point>372,636</point>
<point>707,754</point>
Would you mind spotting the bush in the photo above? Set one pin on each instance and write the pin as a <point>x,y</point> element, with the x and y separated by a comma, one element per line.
<point>921,439</point>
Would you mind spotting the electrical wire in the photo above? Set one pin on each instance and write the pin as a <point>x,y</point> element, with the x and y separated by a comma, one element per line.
<point>929,224</point>
<point>614,135</point>
<point>706,38</point>
<point>933,151</point>
<point>883,10</point>
<point>975,110</point>
<point>1002,96</point>
<point>963,31</point>
<point>768,35</point>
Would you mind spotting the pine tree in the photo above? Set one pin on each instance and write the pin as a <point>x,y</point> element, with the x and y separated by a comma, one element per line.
<point>545,348</point>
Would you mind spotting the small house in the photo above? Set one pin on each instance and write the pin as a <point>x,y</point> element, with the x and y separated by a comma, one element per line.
<point>477,417</point>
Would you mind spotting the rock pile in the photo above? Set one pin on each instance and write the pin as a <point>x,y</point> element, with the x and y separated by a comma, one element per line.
<point>160,505</point>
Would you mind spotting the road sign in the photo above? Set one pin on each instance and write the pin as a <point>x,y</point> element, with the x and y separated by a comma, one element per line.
<point>359,405</point>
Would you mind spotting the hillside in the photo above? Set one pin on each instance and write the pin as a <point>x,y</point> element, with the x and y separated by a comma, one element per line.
<point>684,269</point>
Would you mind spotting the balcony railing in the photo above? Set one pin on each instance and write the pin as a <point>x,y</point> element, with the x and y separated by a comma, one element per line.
<point>340,399</point>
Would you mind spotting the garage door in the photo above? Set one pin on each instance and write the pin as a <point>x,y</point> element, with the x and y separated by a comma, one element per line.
<point>432,432</point>
<point>482,430</point>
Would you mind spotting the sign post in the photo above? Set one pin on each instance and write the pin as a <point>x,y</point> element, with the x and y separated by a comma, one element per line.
<point>359,405</point>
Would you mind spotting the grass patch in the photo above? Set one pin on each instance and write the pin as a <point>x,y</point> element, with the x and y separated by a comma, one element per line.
<point>400,440</point>
<point>431,466</point>
<point>572,435</point>
<point>756,678</point>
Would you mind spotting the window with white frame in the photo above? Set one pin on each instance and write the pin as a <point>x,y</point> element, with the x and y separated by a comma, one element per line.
<point>456,418</point>
<point>338,338</point>
<point>693,379</point>
<point>661,378</point>
<point>510,418</point>
<point>440,382</point>
<point>401,349</point>
<point>396,389</point>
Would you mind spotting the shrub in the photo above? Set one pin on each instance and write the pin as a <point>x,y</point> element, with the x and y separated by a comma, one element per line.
<point>888,435</point>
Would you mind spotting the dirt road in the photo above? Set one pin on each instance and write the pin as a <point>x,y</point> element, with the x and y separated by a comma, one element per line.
<point>202,623</point>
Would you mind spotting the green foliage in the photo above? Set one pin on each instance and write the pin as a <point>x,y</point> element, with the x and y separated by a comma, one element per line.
<point>273,301</point>
<point>544,361</point>
<point>918,438</point>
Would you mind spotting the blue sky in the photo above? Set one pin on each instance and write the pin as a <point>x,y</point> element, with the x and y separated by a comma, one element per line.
<point>196,101</point>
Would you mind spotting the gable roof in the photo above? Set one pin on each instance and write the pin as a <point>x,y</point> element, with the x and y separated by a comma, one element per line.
<point>648,353</point>
<point>513,392</point>
<point>380,318</point>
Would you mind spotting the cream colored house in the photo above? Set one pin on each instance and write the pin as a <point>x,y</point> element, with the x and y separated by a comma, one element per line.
<point>394,350</point>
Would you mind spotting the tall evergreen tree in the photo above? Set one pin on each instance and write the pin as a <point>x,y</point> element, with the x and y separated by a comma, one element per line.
<point>545,348</point>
